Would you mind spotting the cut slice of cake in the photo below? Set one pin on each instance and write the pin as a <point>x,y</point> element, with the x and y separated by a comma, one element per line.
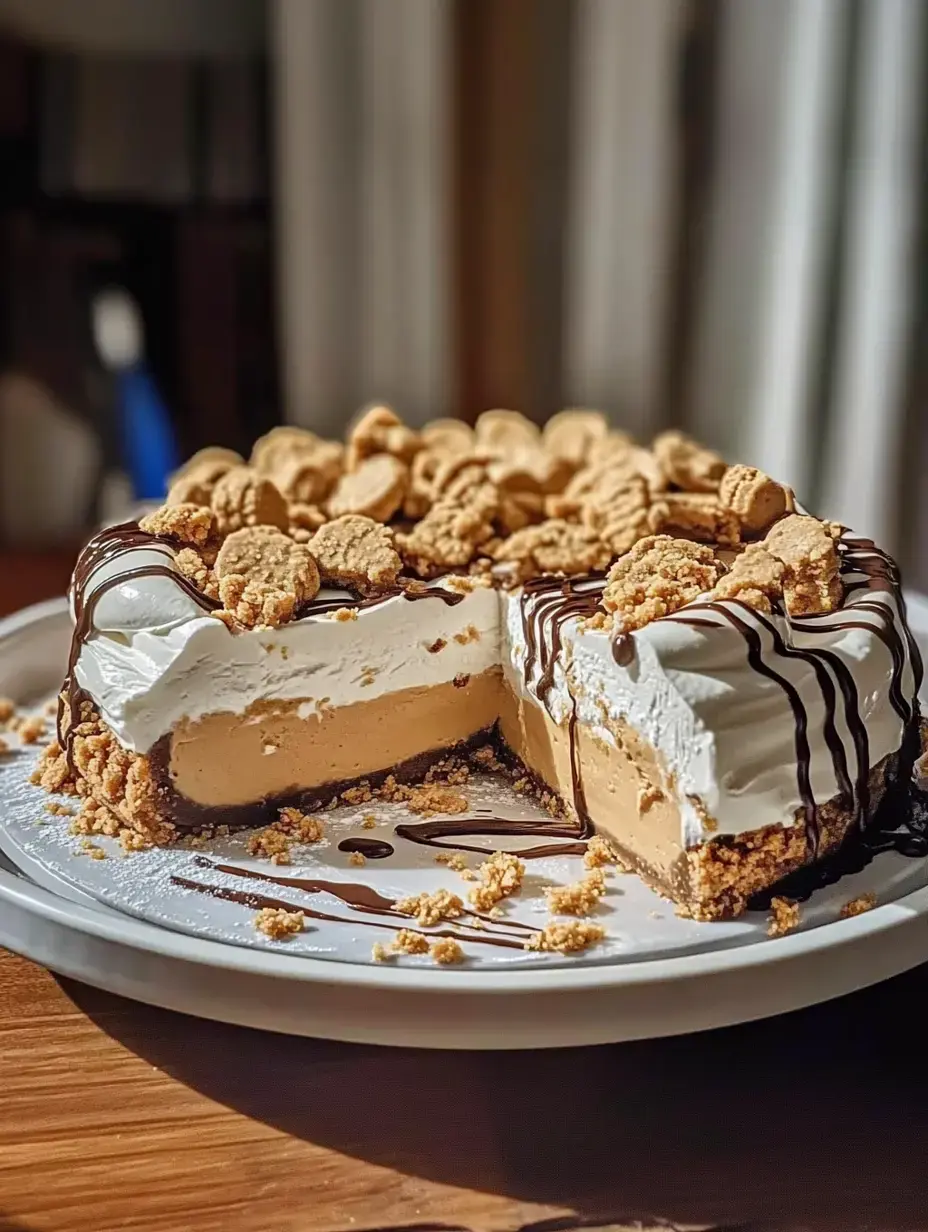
<point>721,684</point>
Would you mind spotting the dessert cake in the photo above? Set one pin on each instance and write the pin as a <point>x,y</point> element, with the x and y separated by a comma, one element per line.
<point>676,654</point>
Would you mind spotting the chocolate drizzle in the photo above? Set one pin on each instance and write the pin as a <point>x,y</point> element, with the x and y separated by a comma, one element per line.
<point>364,899</point>
<point>880,575</point>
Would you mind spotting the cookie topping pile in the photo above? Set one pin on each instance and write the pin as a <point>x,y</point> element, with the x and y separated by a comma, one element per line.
<point>496,504</point>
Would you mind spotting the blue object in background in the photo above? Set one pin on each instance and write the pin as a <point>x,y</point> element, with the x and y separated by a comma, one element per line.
<point>148,444</point>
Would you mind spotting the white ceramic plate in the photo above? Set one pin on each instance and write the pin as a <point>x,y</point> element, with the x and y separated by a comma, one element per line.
<point>655,975</point>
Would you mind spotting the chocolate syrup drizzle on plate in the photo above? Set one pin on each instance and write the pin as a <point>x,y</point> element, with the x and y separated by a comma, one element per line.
<point>510,934</point>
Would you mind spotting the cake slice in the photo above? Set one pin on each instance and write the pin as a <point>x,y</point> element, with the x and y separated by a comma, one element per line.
<point>679,658</point>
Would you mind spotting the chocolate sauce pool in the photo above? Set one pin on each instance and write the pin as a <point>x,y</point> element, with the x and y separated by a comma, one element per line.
<point>370,848</point>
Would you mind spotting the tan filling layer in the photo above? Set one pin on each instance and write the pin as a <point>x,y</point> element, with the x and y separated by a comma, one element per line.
<point>231,760</point>
<point>228,759</point>
<point>623,785</point>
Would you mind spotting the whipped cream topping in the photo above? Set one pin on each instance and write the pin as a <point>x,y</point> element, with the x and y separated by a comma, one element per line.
<point>151,662</point>
<point>728,733</point>
<point>725,730</point>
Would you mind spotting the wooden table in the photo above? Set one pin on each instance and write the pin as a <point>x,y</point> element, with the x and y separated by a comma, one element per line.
<point>117,1116</point>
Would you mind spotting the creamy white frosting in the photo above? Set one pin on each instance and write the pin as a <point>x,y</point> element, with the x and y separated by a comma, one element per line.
<point>725,732</point>
<point>153,661</point>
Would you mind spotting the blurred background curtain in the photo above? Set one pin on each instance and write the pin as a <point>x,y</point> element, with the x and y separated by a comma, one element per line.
<point>363,205</point>
<point>705,212</point>
<point>699,212</point>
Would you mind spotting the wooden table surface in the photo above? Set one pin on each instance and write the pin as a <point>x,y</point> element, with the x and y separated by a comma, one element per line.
<point>118,1116</point>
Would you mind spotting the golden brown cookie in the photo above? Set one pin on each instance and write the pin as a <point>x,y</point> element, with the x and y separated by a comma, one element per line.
<point>498,432</point>
<point>264,576</point>
<point>573,433</point>
<point>448,436</point>
<point>185,523</point>
<point>553,547</point>
<point>242,498</point>
<point>214,460</point>
<point>757,500</point>
<point>377,430</point>
<point>686,463</point>
<point>357,553</point>
<point>374,490</point>
<point>658,576</point>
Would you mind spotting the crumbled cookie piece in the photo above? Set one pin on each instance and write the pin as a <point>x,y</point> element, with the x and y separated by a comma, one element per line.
<point>784,917</point>
<point>449,535</point>
<point>599,851</point>
<point>428,799</point>
<point>213,460</point>
<point>344,614</point>
<point>467,635</point>
<point>579,898</point>
<point>756,499</point>
<point>357,858</point>
<point>428,909</point>
<point>357,553</point>
<point>658,576</point>
<point>755,578</point>
<point>308,476</point>
<point>244,498</point>
<point>379,430</point>
<point>499,432</point>
<point>7,709</point>
<point>58,810</point>
<point>518,510</point>
<point>194,482</point>
<point>446,951</point>
<point>858,905</point>
<point>618,513</point>
<point>407,941</point>
<point>32,729</point>
<point>274,453</point>
<point>305,520</point>
<point>53,774</point>
<point>368,822</point>
<point>192,489</point>
<point>375,490</point>
<point>274,842</point>
<point>299,826</point>
<point>279,924</point>
<point>688,464</point>
<point>811,582</point>
<point>553,547</point>
<point>500,876</point>
<point>264,576</point>
<point>380,953</point>
<point>193,565</point>
<point>574,433</point>
<point>453,860</point>
<point>420,494</point>
<point>449,436</point>
<point>694,515</point>
<point>570,937</point>
<point>185,523</point>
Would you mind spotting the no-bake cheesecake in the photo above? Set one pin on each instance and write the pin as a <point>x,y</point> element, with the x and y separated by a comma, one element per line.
<point>678,655</point>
